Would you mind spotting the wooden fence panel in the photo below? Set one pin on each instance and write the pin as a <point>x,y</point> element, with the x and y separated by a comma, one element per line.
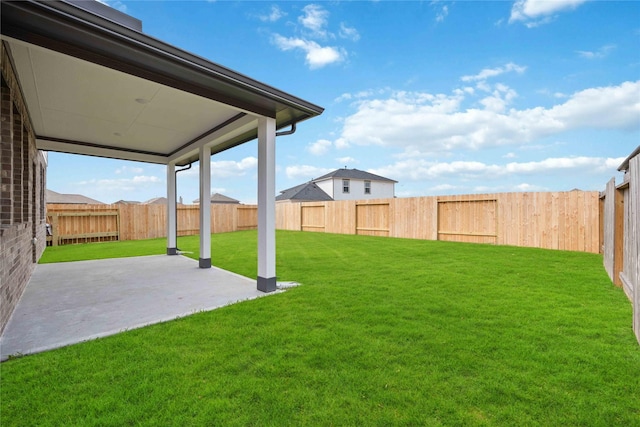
<point>288,216</point>
<point>247,217</point>
<point>467,219</point>
<point>83,224</point>
<point>372,219</point>
<point>340,217</point>
<point>187,221</point>
<point>415,218</point>
<point>312,217</point>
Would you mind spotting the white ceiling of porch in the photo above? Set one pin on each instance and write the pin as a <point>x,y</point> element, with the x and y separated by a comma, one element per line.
<point>73,100</point>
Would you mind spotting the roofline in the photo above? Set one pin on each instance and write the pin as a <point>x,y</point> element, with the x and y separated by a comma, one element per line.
<point>66,28</point>
<point>382,179</point>
<point>625,164</point>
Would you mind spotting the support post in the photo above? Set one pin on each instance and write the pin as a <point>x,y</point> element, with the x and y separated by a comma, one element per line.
<point>205,207</point>
<point>266,204</point>
<point>172,221</point>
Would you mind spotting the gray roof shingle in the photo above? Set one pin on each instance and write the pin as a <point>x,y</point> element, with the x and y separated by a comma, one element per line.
<point>306,192</point>
<point>353,174</point>
<point>219,198</point>
<point>70,199</point>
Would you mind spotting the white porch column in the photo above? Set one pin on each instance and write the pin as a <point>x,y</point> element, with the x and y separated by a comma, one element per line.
<point>266,204</point>
<point>205,207</point>
<point>172,226</point>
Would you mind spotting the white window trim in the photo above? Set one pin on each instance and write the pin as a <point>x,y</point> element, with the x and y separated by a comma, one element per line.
<point>346,184</point>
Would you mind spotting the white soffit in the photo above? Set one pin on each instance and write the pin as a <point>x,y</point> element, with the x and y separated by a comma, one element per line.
<point>71,100</point>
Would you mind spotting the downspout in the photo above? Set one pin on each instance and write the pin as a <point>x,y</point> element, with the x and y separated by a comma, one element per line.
<point>176,199</point>
<point>288,132</point>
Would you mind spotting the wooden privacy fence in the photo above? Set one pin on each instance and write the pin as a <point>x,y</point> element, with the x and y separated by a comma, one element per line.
<point>558,220</point>
<point>620,206</point>
<point>551,220</point>
<point>98,223</point>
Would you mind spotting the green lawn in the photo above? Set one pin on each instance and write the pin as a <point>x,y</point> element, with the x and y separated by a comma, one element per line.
<point>381,332</point>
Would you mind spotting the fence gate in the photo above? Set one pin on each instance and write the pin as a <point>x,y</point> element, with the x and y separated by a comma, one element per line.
<point>312,218</point>
<point>372,219</point>
<point>83,227</point>
<point>473,221</point>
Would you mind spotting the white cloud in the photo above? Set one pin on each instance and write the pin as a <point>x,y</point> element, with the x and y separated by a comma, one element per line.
<point>305,172</point>
<point>231,168</point>
<point>538,12</point>
<point>349,32</point>
<point>129,169</point>
<point>119,188</point>
<point>499,99</point>
<point>422,169</point>
<point>316,56</point>
<point>346,160</point>
<point>127,182</point>
<point>341,143</point>
<point>315,18</point>
<point>598,54</point>
<point>358,95</point>
<point>430,123</point>
<point>319,147</point>
<point>274,15</point>
<point>510,156</point>
<point>443,188</point>
<point>508,187</point>
<point>493,72</point>
<point>442,14</point>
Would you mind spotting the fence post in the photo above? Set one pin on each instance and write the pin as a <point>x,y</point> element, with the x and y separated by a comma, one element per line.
<point>54,229</point>
<point>634,238</point>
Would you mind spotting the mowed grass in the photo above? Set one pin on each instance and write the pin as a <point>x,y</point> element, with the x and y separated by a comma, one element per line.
<point>381,332</point>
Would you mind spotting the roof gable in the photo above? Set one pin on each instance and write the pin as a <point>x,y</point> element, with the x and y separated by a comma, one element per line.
<point>308,191</point>
<point>220,198</point>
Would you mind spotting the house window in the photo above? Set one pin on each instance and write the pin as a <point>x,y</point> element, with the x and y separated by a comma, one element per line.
<point>345,185</point>
<point>367,187</point>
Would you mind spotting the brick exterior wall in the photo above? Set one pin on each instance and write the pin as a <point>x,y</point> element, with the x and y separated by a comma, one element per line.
<point>22,204</point>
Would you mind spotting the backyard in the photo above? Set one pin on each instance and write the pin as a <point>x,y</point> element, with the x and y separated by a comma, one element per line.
<point>382,331</point>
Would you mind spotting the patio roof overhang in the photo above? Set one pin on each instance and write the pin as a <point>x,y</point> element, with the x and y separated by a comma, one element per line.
<point>94,84</point>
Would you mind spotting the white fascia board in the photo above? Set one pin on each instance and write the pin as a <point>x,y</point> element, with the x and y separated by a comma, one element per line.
<point>236,128</point>
<point>90,150</point>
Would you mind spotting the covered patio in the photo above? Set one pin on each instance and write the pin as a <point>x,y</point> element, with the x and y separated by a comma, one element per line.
<point>71,302</point>
<point>95,84</point>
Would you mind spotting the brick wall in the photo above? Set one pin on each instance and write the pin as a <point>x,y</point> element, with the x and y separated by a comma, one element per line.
<point>22,181</point>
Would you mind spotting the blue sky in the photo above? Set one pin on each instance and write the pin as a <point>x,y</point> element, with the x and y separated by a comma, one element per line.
<point>444,97</point>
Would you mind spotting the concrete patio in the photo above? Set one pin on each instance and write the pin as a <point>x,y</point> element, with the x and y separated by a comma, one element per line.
<point>67,303</point>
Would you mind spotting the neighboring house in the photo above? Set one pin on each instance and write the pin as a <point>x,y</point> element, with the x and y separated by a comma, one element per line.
<point>218,198</point>
<point>126,202</point>
<point>156,201</point>
<point>342,184</point>
<point>307,192</point>
<point>70,199</point>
